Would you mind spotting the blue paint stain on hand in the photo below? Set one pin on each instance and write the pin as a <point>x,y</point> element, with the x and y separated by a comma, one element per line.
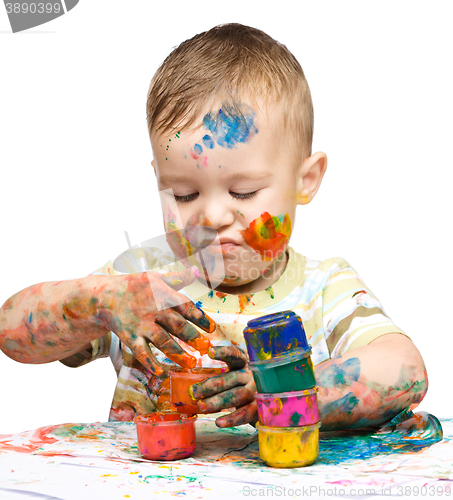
<point>231,125</point>
<point>208,142</point>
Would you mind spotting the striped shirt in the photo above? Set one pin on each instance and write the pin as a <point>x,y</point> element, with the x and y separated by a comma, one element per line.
<point>339,313</point>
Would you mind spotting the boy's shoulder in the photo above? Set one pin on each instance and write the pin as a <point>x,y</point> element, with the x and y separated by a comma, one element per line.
<point>326,267</point>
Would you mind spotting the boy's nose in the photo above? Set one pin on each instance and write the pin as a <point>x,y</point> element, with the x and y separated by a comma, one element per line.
<point>218,215</point>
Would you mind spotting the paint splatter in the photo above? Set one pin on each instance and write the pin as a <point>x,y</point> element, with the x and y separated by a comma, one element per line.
<point>222,295</point>
<point>208,142</point>
<point>179,243</point>
<point>270,291</point>
<point>230,280</point>
<point>244,300</point>
<point>240,213</point>
<point>268,235</point>
<point>231,125</point>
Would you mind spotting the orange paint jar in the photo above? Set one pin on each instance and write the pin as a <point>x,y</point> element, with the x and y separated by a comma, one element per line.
<point>180,383</point>
<point>166,436</point>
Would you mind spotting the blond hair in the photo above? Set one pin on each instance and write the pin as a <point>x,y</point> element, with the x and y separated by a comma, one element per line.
<point>231,60</point>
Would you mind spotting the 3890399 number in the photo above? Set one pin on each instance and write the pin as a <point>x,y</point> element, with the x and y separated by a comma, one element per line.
<point>33,8</point>
<point>423,491</point>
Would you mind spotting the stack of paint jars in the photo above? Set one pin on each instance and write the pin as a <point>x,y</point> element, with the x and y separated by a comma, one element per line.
<point>287,405</point>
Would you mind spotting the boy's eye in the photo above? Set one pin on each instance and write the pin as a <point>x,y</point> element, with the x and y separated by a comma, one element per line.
<point>186,198</point>
<point>238,196</point>
<point>244,196</point>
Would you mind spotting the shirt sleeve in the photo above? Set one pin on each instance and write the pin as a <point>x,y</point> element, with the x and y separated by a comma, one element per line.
<point>101,347</point>
<point>352,315</point>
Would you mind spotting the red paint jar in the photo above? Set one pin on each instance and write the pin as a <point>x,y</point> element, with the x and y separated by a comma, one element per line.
<point>166,436</point>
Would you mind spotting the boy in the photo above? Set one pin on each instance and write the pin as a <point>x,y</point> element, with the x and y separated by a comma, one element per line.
<point>231,124</point>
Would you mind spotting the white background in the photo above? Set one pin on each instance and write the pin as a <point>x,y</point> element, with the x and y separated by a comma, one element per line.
<point>75,162</point>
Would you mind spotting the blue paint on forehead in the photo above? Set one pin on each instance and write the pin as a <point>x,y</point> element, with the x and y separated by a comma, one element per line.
<point>208,142</point>
<point>231,125</point>
<point>198,149</point>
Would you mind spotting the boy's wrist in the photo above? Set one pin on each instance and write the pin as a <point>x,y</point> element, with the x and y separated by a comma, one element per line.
<point>100,295</point>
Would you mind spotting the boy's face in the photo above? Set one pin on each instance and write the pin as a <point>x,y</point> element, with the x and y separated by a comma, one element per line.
<point>237,175</point>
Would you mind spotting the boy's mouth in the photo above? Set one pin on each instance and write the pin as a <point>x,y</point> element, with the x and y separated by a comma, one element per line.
<point>225,245</point>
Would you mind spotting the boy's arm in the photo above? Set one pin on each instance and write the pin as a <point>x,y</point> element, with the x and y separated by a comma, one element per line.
<point>53,320</point>
<point>371,384</point>
<point>40,323</point>
<point>361,388</point>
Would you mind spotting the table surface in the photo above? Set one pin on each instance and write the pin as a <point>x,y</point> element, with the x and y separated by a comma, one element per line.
<point>73,461</point>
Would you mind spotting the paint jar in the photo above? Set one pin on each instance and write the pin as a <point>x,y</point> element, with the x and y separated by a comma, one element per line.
<point>180,383</point>
<point>275,335</point>
<point>285,373</point>
<point>166,436</point>
<point>287,447</point>
<point>288,409</point>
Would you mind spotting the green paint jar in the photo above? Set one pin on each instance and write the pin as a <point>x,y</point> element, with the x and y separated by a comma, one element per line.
<point>285,373</point>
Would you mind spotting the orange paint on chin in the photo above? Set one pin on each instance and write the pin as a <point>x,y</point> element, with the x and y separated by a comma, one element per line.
<point>268,235</point>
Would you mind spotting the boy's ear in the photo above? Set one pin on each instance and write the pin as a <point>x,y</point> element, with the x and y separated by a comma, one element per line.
<point>154,166</point>
<point>310,176</point>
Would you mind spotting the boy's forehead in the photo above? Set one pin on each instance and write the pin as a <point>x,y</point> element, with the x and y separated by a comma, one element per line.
<point>218,133</point>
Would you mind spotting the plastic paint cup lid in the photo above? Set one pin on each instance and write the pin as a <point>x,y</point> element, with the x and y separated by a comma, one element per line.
<point>288,430</point>
<point>197,372</point>
<point>164,419</point>
<point>285,395</point>
<point>281,360</point>
<point>274,335</point>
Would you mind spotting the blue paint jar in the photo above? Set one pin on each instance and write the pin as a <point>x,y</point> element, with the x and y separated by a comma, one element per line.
<point>275,335</point>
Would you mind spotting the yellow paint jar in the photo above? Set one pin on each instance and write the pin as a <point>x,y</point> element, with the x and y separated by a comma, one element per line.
<point>287,447</point>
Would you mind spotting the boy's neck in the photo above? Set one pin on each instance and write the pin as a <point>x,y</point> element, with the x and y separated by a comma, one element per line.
<point>261,283</point>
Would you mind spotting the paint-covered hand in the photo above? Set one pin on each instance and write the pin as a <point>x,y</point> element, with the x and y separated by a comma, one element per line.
<point>234,388</point>
<point>145,308</point>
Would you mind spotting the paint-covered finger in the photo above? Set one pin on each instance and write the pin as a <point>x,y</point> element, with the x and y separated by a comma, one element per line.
<point>245,415</point>
<point>239,396</point>
<point>196,316</point>
<point>140,349</point>
<point>180,280</point>
<point>218,384</point>
<point>177,325</point>
<point>234,357</point>
<point>165,343</point>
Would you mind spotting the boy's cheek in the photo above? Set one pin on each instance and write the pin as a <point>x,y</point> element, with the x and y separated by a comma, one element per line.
<point>268,235</point>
